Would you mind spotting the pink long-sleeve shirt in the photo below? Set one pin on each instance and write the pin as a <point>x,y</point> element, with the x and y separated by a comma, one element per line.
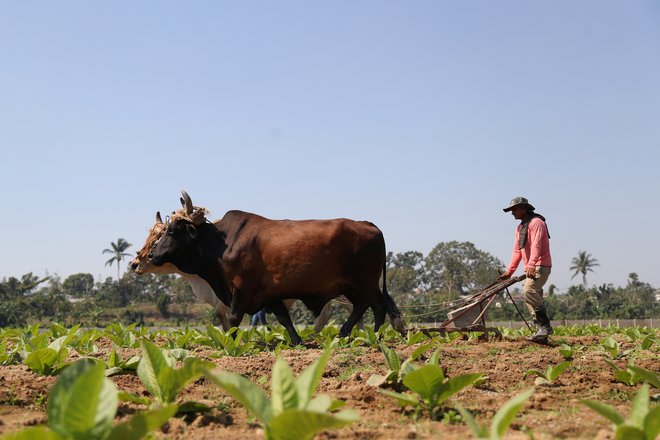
<point>537,247</point>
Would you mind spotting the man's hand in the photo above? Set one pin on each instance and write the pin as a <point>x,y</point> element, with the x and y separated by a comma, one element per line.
<point>505,276</point>
<point>530,272</point>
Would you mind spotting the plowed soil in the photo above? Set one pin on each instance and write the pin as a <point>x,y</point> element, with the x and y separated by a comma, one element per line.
<point>554,411</point>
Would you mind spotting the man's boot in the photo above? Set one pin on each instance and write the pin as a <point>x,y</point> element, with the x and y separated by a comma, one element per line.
<point>544,329</point>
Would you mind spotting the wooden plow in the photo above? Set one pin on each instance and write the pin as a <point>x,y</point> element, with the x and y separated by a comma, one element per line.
<point>471,317</point>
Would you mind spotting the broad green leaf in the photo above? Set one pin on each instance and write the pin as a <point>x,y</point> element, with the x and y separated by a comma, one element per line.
<point>83,402</point>
<point>391,357</point>
<point>403,399</point>
<point>557,370</point>
<point>425,381</point>
<point>125,396</point>
<point>309,379</point>
<point>303,425</point>
<point>647,375</point>
<point>507,413</point>
<point>173,380</point>
<point>320,403</point>
<point>640,407</point>
<point>41,361</point>
<point>627,432</point>
<point>251,396</point>
<point>604,410</point>
<point>652,424</point>
<point>456,384</point>
<point>142,423</point>
<point>284,394</point>
<point>420,350</point>
<point>435,358</point>
<point>34,433</point>
<point>151,366</point>
<point>376,380</point>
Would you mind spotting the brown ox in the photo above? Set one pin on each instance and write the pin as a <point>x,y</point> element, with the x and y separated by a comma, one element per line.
<point>251,261</point>
<point>202,290</point>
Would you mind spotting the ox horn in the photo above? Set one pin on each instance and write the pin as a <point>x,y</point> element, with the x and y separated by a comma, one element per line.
<point>186,202</point>
<point>159,220</point>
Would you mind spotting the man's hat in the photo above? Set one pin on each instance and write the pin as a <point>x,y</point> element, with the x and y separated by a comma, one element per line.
<point>518,201</point>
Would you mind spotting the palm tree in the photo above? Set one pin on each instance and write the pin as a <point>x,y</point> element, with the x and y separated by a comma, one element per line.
<point>118,251</point>
<point>583,263</point>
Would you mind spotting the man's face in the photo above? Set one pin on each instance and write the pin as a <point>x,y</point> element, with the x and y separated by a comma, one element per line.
<point>519,212</point>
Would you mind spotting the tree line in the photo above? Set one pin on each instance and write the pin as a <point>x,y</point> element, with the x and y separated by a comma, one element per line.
<point>424,287</point>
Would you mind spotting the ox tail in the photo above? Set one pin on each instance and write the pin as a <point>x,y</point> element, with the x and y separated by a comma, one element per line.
<point>390,306</point>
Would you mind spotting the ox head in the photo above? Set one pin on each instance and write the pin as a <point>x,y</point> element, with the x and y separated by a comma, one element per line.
<point>177,241</point>
<point>176,245</point>
<point>141,263</point>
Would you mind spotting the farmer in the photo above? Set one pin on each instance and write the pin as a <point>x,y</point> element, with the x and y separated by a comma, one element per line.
<point>531,244</point>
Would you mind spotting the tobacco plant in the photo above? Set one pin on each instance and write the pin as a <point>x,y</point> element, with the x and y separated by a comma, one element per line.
<point>643,423</point>
<point>231,346</point>
<point>550,375</point>
<point>397,369</point>
<point>82,406</point>
<point>430,389</point>
<point>158,373</point>
<point>292,412</point>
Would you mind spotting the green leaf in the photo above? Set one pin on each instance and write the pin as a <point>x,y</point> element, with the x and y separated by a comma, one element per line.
<point>83,402</point>
<point>251,396</point>
<point>456,384</point>
<point>647,375</point>
<point>152,365</point>
<point>652,424</point>
<point>284,394</point>
<point>34,433</point>
<point>125,396</point>
<point>425,381</point>
<point>41,361</point>
<point>303,425</point>
<point>403,399</point>
<point>507,413</point>
<point>557,370</point>
<point>142,423</point>
<point>640,407</point>
<point>627,432</point>
<point>173,380</point>
<point>309,379</point>
<point>320,403</point>
<point>604,410</point>
<point>391,357</point>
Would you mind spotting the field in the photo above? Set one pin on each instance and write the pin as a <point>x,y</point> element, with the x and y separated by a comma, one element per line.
<point>608,365</point>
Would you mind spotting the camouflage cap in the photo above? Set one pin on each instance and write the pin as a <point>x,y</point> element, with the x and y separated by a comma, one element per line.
<point>518,201</point>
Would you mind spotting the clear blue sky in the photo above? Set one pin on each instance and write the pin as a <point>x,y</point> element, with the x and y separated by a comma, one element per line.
<point>425,117</point>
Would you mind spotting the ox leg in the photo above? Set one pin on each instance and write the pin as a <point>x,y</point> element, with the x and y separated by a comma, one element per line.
<point>236,312</point>
<point>282,315</point>
<point>323,318</point>
<point>349,309</point>
<point>379,314</point>
<point>221,311</point>
<point>353,318</point>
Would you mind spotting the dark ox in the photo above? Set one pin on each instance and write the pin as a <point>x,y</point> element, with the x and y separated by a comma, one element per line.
<point>251,261</point>
<point>202,290</point>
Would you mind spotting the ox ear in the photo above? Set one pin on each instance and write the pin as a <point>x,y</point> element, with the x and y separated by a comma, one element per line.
<point>192,230</point>
<point>159,220</point>
<point>186,202</point>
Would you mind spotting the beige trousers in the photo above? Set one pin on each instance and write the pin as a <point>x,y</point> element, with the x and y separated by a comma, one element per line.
<point>533,288</point>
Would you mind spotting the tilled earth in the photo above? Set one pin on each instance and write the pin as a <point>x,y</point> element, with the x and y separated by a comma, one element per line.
<point>554,411</point>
